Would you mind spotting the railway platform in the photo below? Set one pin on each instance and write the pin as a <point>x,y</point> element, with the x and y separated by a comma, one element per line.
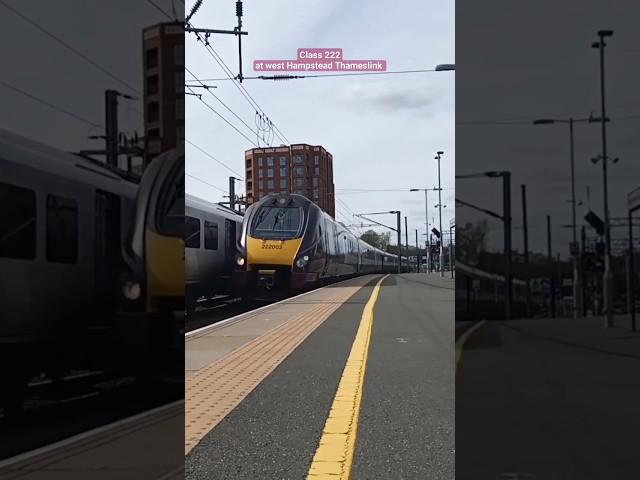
<point>143,446</point>
<point>547,398</point>
<point>350,379</point>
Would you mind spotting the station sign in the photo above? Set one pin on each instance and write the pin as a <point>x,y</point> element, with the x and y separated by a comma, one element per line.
<point>574,248</point>
<point>633,200</point>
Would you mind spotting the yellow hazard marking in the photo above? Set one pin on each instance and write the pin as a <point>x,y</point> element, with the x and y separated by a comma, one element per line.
<point>334,456</point>
<point>463,338</point>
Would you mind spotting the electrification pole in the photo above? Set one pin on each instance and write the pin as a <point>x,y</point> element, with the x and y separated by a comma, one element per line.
<point>526,247</point>
<point>399,243</point>
<point>608,274</point>
<point>439,154</point>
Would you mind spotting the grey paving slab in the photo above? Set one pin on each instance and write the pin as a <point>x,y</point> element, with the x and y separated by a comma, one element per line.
<point>407,427</point>
<point>549,399</point>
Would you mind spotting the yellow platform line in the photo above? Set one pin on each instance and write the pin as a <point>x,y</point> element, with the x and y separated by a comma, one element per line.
<point>334,456</point>
<point>463,338</point>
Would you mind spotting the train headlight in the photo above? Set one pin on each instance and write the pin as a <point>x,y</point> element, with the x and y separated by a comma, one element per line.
<point>240,261</point>
<point>131,290</point>
<point>302,261</point>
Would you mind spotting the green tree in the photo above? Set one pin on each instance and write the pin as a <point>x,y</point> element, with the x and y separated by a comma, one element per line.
<point>378,240</point>
<point>470,241</point>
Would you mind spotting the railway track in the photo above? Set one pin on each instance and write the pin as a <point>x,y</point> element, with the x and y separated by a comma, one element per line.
<point>58,409</point>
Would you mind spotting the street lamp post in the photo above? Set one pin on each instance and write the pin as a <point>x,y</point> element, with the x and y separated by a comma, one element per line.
<point>608,275</point>
<point>438,155</point>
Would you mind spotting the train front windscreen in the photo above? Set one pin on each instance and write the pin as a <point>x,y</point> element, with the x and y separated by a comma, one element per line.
<point>277,223</point>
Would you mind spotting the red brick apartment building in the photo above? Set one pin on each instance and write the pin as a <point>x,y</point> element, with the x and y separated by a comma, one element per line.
<point>300,168</point>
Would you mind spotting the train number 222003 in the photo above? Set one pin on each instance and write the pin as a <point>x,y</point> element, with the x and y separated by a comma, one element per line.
<point>272,246</point>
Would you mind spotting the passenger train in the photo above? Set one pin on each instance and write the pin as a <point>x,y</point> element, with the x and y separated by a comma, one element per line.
<point>288,243</point>
<point>85,253</point>
<point>151,315</point>
<point>481,295</point>
<point>211,234</point>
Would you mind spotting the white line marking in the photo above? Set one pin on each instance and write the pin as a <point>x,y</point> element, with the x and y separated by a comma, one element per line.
<point>88,433</point>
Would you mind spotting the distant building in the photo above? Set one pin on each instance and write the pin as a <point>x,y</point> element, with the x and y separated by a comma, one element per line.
<point>300,168</point>
<point>163,64</point>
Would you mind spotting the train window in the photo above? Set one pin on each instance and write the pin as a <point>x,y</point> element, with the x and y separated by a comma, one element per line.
<point>210,235</point>
<point>17,222</point>
<point>62,229</point>
<point>191,232</point>
<point>170,212</point>
<point>275,222</point>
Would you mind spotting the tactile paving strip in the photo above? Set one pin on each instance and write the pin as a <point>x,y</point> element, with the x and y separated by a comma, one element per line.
<point>214,391</point>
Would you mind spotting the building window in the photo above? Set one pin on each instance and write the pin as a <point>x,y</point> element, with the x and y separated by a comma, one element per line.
<point>178,55</point>
<point>210,235</point>
<point>316,159</point>
<point>260,162</point>
<point>248,163</point>
<point>17,222</point>
<point>270,173</point>
<point>152,57</point>
<point>317,171</point>
<point>283,184</point>
<point>315,181</point>
<point>260,173</point>
<point>299,171</point>
<point>179,79</point>
<point>283,161</point>
<point>270,185</point>
<point>153,111</point>
<point>298,182</point>
<point>300,192</point>
<point>62,230</point>
<point>269,161</point>
<point>261,185</point>
<point>283,171</point>
<point>298,159</point>
<point>315,194</point>
<point>191,232</point>
<point>152,85</point>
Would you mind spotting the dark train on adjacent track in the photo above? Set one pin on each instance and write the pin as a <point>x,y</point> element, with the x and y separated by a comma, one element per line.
<point>289,244</point>
<point>480,295</point>
<point>91,263</point>
<point>212,232</point>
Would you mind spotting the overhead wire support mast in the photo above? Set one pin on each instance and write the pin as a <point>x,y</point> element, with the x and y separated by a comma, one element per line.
<point>208,31</point>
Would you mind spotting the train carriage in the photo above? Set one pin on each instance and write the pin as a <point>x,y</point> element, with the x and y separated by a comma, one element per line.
<point>288,243</point>
<point>212,232</point>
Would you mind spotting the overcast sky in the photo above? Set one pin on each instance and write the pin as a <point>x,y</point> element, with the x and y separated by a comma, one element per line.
<point>534,60</point>
<point>109,33</point>
<point>383,131</point>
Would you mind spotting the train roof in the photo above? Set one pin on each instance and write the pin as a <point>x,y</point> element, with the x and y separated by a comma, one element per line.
<point>31,154</point>
<point>206,206</point>
<point>476,272</point>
